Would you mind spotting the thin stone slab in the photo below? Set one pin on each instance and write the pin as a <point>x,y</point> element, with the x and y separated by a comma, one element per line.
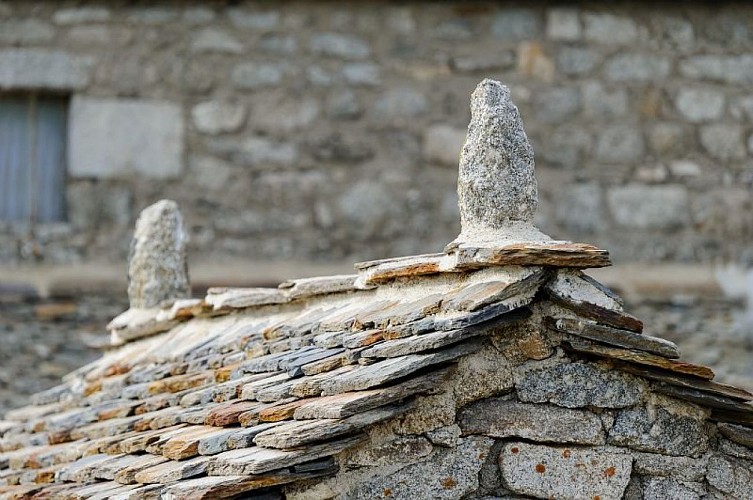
<point>172,471</point>
<point>738,434</point>
<point>500,418</point>
<point>418,343</point>
<point>545,253</point>
<point>127,475</point>
<point>509,311</point>
<point>350,403</point>
<point>381,271</point>
<point>185,444</point>
<point>642,358</point>
<point>239,298</point>
<point>300,433</point>
<point>595,312</point>
<point>716,388</point>
<point>324,285</point>
<point>244,438</point>
<point>258,460</point>
<point>225,486</point>
<point>614,336</point>
<point>394,368</point>
<point>704,399</point>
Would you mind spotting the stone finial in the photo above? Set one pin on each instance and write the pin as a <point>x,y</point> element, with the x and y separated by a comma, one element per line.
<point>496,184</point>
<point>157,267</point>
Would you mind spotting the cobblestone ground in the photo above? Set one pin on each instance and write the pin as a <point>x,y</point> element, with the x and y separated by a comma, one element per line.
<point>40,341</point>
<point>43,340</point>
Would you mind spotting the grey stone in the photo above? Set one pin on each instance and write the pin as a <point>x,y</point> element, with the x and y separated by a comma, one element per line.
<point>649,207</point>
<point>216,117</point>
<point>497,149</point>
<point>30,69</point>
<point>442,144</point>
<point>76,15</point>
<point>481,375</point>
<point>516,24</point>
<point>622,144</point>
<point>659,431</point>
<point>210,173</point>
<point>97,34</point>
<point>731,476</point>
<point>674,31</point>
<point>400,104</point>
<point>637,67</point>
<point>157,267</point>
<point>667,138</point>
<point>580,208</point>
<point>366,74</point>
<point>557,105</point>
<point>735,450</point>
<point>699,105</point>
<point>497,60</point>
<point>680,468</point>
<point>576,385</point>
<point>344,105</point>
<point>557,472</point>
<point>340,46</point>
<point>567,146</point>
<point>606,28</point>
<point>113,138</point>
<point>445,436</point>
<point>500,418</point>
<point>448,473</point>
<point>723,141</point>
<point>719,68</point>
<point>256,151</point>
<point>738,434</point>
<point>90,203</point>
<point>454,29</point>
<point>214,40</point>
<point>577,60</point>
<point>316,75</point>
<point>284,114</point>
<point>279,44</point>
<point>256,20</point>
<point>602,104</point>
<point>255,75</point>
<point>153,15</point>
<point>563,24</point>
<point>402,449</point>
<point>25,31</point>
<point>660,489</point>
<point>198,15</point>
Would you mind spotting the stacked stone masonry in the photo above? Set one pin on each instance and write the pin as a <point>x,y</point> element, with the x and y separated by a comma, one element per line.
<point>508,375</point>
<point>322,130</point>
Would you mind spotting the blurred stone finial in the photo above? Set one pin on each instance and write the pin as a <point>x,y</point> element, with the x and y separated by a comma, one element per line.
<point>157,267</point>
<point>496,184</point>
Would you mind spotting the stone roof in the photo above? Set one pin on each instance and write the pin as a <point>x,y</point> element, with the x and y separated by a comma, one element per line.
<point>248,389</point>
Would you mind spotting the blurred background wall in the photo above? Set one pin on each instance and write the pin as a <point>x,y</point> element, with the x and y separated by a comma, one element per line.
<point>320,133</point>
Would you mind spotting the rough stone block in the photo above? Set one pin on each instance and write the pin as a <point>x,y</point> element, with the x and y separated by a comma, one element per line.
<point>364,74</point>
<point>442,144</point>
<point>606,28</point>
<point>255,75</point>
<point>620,144</point>
<point>563,24</point>
<point>29,69</point>
<point>575,385</point>
<point>719,68</point>
<point>216,117</point>
<point>25,31</point>
<point>649,207</point>
<point>580,208</point>
<point>501,418</point>
<point>699,105</point>
<point>731,476</point>
<point>723,141</point>
<point>113,138</point>
<point>660,489</point>
<point>400,104</point>
<point>214,40</point>
<point>681,468</point>
<point>514,24</point>
<point>448,473</point>
<point>76,15</point>
<point>340,46</point>
<point>254,19</point>
<point>659,431</point>
<point>557,472</point>
<point>637,67</point>
<point>557,105</point>
<point>577,60</point>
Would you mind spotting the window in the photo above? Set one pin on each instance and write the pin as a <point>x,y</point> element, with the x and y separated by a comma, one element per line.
<point>32,158</point>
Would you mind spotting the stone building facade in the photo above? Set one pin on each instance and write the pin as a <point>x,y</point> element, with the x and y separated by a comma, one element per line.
<point>323,130</point>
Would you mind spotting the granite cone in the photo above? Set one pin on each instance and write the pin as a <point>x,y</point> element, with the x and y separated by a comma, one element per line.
<point>497,193</point>
<point>157,267</point>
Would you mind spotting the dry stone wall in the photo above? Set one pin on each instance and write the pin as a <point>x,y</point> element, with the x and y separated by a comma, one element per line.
<point>322,130</point>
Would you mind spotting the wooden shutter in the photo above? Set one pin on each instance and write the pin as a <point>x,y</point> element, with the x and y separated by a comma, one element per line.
<point>32,158</point>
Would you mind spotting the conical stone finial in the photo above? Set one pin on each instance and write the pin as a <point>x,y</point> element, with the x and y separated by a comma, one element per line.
<point>157,266</point>
<point>496,183</point>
